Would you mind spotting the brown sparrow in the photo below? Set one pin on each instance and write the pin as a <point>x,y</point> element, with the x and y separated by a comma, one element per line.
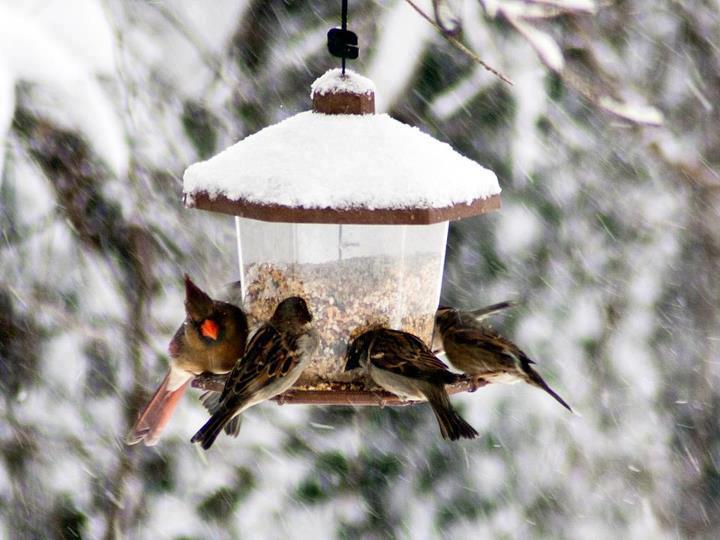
<point>211,339</point>
<point>472,317</point>
<point>276,356</point>
<point>480,351</point>
<point>402,364</point>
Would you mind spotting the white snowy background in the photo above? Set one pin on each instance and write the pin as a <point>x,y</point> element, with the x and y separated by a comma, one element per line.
<point>607,148</point>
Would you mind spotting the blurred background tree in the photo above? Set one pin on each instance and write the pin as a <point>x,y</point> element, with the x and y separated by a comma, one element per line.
<point>607,147</point>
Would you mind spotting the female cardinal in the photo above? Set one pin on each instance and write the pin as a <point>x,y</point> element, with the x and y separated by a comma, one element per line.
<point>211,339</point>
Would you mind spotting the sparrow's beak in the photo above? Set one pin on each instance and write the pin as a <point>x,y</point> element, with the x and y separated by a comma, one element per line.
<point>209,329</point>
<point>352,358</point>
<point>352,363</point>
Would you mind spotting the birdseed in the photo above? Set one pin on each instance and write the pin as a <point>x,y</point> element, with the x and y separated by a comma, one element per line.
<point>346,298</point>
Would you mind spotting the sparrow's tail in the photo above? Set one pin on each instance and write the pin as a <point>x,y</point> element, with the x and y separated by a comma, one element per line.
<point>156,414</point>
<point>535,379</point>
<point>207,434</point>
<point>452,425</point>
<point>483,313</point>
<point>211,401</point>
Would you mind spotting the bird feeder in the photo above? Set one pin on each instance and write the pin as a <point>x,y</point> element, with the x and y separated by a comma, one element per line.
<point>348,209</point>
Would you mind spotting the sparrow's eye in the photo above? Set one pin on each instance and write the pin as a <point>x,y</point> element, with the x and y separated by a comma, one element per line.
<point>209,329</point>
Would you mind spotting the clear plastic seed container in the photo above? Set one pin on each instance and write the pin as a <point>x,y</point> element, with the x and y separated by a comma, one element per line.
<point>352,276</point>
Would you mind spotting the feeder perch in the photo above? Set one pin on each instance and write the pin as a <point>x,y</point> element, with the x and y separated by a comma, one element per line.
<point>350,210</point>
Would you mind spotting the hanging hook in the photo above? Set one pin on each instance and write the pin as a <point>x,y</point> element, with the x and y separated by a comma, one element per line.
<point>342,42</point>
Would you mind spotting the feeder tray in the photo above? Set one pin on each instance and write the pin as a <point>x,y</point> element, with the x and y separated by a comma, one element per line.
<point>356,394</point>
<point>349,210</point>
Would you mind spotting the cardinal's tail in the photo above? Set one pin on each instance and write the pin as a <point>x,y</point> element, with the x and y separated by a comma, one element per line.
<point>156,414</point>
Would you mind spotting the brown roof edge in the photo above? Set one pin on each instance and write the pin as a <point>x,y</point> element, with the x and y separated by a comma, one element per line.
<point>354,216</point>
<point>344,103</point>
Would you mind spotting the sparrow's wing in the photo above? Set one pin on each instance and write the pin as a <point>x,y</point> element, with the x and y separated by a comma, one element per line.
<point>488,346</point>
<point>405,354</point>
<point>269,357</point>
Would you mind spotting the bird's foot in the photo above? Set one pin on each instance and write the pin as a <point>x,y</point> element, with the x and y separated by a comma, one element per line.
<point>382,400</point>
<point>475,383</point>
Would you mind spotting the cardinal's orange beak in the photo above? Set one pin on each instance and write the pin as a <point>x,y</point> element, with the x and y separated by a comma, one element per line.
<point>209,329</point>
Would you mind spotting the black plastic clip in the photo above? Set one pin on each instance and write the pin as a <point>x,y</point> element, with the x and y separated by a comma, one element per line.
<point>343,43</point>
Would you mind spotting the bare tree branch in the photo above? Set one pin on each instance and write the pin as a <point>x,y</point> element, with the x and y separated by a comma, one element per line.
<point>458,45</point>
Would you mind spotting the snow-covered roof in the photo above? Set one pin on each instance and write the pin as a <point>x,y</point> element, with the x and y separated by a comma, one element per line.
<point>340,162</point>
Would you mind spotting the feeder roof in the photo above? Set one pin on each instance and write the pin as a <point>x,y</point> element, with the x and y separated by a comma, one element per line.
<point>342,168</point>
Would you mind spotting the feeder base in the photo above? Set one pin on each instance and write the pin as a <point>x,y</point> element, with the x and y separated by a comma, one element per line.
<point>338,393</point>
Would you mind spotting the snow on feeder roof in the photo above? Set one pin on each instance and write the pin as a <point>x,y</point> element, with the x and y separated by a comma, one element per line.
<point>340,163</point>
<point>332,82</point>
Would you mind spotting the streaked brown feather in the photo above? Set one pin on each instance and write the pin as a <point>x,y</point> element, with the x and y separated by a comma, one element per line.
<point>269,356</point>
<point>406,354</point>
<point>482,345</point>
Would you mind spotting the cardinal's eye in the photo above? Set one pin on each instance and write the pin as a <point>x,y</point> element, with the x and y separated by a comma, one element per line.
<point>209,329</point>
